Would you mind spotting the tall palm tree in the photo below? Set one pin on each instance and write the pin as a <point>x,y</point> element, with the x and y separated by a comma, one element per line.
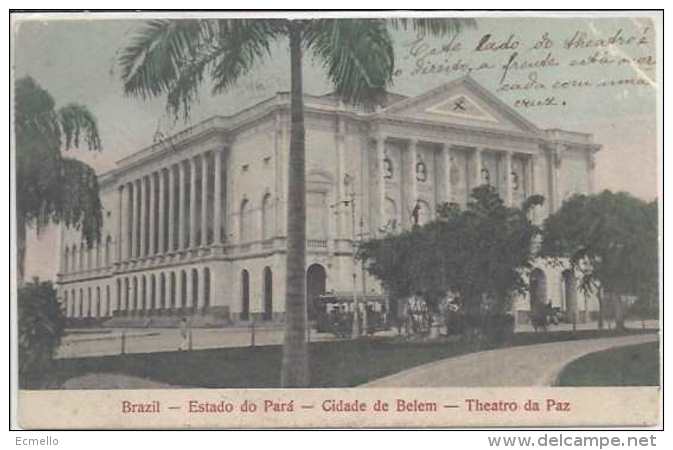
<point>52,188</point>
<point>173,57</point>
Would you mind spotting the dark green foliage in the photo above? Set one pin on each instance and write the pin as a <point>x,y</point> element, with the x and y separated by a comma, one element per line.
<point>51,188</point>
<point>41,325</point>
<point>611,239</point>
<point>480,252</point>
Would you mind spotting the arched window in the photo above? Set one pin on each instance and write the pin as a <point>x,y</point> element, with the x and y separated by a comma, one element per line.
<point>98,312</point>
<point>245,295</point>
<point>206,289</point>
<point>66,260</point>
<point>99,257</point>
<point>162,291</point>
<point>195,290</point>
<point>172,292</point>
<point>183,290</point>
<point>108,249</point>
<point>134,307</point>
<point>153,292</point>
<point>143,295</point>
<point>316,282</point>
<point>268,294</point>
<point>267,217</point>
<point>65,302</point>
<point>88,302</point>
<point>126,294</point>
<point>107,301</point>
<point>119,294</point>
<point>73,258</point>
<point>73,303</point>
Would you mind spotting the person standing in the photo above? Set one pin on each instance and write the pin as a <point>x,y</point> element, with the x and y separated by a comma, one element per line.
<point>184,334</point>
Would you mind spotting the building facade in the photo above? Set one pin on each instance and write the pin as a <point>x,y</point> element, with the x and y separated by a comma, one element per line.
<point>195,224</point>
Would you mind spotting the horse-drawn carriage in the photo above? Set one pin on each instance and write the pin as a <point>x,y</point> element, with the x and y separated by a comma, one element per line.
<point>334,313</point>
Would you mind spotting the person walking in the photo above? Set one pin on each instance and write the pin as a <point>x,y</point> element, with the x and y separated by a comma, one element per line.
<point>184,335</point>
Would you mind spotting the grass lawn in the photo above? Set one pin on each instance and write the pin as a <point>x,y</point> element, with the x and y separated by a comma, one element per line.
<point>333,364</point>
<point>634,365</point>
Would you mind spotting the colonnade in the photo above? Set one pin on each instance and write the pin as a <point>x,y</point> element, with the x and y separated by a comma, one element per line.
<point>174,208</point>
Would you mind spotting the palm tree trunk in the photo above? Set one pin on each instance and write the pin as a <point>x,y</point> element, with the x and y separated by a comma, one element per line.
<point>20,248</point>
<point>295,371</point>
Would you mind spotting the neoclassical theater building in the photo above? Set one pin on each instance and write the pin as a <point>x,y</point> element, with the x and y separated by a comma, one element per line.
<point>195,224</point>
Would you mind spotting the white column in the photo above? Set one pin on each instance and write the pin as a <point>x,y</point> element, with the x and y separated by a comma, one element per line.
<point>412,153</point>
<point>182,234</point>
<point>171,209</point>
<point>120,230</point>
<point>162,211</point>
<point>476,175</point>
<point>204,200</point>
<point>380,184</point>
<point>144,209</point>
<point>152,225</point>
<point>217,198</point>
<point>507,191</point>
<point>134,219</point>
<point>192,202</point>
<point>446,163</point>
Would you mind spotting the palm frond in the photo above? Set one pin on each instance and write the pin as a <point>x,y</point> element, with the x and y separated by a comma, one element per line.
<point>173,57</point>
<point>153,58</point>
<point>433,27</point>
<point>76,121</point>
<point>75,201</point>
<point>357,55</point>
<point>243,43</point>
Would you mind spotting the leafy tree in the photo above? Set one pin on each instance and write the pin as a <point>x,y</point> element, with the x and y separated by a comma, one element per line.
<point>174,57</point>
<point>41,326</point>
<point>51,188</point>
<point>612,240</point>
<point>480,253</point>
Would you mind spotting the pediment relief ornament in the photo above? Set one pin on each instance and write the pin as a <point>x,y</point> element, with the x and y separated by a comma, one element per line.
<point>461,106</point>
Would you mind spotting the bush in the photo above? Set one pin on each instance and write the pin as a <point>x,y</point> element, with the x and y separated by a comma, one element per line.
<point>41,326</point>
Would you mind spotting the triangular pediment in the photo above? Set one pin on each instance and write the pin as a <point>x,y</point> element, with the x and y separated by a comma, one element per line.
<point>462,102</point>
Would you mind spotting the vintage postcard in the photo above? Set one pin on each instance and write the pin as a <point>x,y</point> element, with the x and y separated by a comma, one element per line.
<point>353,220</point>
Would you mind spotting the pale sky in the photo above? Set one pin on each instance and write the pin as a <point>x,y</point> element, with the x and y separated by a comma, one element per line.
<point>75,61</point>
